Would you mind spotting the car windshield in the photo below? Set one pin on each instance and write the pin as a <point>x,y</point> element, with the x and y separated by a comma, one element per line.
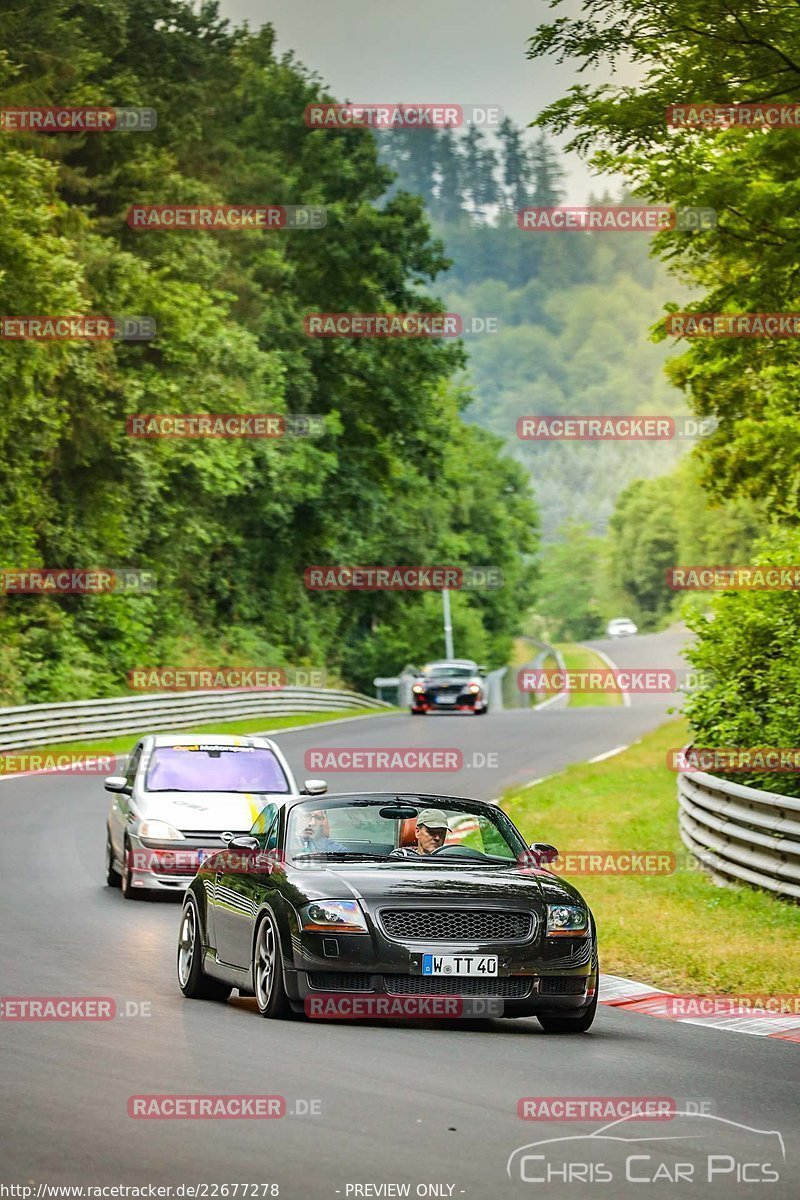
<point>447,671</point>
<point>212,768</point>
<point>402,831</point>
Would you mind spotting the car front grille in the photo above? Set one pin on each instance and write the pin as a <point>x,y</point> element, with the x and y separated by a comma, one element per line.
<point>205,839</point>
<point>455,925</point>
<point>339,981</point>
<point>562,985</point>
<point>511,987</point>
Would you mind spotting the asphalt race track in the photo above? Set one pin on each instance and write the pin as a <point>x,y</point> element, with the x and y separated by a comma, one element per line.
<point>398,1103</point>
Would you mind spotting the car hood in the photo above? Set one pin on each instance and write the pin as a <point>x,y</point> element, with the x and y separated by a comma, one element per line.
<point>397,882</point>
<point>213,812</point>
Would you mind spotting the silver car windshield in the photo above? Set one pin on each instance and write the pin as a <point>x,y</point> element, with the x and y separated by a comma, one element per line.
<point>209,768</point>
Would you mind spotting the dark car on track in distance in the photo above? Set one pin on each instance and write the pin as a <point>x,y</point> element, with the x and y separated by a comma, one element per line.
<point>451,685</point>
<point>391,895</point>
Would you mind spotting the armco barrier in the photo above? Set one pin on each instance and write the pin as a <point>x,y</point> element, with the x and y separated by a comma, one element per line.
<point>78,720</point>
<point>741,833</point>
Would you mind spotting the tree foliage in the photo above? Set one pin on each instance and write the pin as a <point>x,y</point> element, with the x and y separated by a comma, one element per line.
<point>748,664</point>
<point>684,52</point>
<point>227,526</point>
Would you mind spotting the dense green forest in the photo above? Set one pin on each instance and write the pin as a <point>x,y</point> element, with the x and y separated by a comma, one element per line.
<point>228,527</point>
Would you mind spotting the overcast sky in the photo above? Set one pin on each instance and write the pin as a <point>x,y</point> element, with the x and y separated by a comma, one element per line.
<point>458,51</point>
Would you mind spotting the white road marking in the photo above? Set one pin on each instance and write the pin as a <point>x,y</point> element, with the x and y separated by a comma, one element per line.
<point>626,696</point>
<point>607,754</point>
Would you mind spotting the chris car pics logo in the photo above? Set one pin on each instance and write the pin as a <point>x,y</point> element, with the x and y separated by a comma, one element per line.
<point>720,1156</point>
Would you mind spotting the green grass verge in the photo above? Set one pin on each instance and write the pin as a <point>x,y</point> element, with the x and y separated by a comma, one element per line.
<point>125,743</point>
<point>581,658</point>
<point>681,932</point>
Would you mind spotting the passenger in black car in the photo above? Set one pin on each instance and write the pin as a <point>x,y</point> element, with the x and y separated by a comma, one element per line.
<point>316,835</point>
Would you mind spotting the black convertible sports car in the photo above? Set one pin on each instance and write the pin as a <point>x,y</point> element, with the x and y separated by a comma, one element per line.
<point>389,895</point>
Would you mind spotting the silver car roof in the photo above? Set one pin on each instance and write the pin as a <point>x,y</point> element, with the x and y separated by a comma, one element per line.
<point>209,739</point>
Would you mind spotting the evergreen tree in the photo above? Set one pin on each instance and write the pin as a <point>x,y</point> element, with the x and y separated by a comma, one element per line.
<point>547,174</point>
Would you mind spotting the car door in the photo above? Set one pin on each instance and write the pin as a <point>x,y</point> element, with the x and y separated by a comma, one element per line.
<point>239,887</point>
<point>121,808</point>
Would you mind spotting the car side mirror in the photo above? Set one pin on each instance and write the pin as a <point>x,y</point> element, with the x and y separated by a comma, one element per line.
<point>481,670</point>
<point>544,852</point>
<point>245,842</point>
<point>313,787</point>
<point>118,783</point>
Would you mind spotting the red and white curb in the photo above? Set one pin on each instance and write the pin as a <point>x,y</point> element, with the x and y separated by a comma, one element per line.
<point>642,998</point>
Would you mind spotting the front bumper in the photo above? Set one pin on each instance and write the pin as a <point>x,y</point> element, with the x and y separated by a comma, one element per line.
<point>401,995</point>
<point>168,866</point>
<point>537,975</point>
<point>463,702</point>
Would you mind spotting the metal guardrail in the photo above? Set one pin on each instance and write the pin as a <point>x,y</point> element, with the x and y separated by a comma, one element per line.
<point>561,699</point>
<point>741,833</point>
<point>494,689</point>
<point>518,699</point>
<point>78,720</point>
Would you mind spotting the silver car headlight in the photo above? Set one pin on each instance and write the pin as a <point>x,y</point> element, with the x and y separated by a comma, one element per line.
<point>567,920</point>
<point>161,831</point>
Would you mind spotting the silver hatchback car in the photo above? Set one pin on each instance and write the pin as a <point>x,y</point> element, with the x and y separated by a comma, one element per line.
<point>184,796</point>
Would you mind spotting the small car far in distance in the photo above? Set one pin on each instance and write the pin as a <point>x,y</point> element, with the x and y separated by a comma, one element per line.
<point>452,685</point>
<point>389,895</point>
<point>621,627</point>
<point>182,797</point>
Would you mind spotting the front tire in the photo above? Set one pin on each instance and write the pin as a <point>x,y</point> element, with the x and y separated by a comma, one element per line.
<point>129,892</point>
<point>192,979</point>
<point>268,985</point>
<point>579,1024</point>
<point>112,874</point>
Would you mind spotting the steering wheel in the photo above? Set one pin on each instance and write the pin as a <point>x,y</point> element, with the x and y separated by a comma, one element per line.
<point>457,852</point>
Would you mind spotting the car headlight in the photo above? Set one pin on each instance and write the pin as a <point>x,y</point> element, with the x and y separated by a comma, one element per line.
<point>474,687</point>
<point>161,831</point>
<point>567,920</point>
<point>418,689</point>
<point>332,916</point>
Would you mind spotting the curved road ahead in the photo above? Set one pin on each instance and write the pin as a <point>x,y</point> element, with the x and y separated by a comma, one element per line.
<point>419,1104</point>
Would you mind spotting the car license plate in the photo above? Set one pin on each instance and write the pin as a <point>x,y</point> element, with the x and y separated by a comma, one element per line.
<point>445,699</point>
<point>459,964</point>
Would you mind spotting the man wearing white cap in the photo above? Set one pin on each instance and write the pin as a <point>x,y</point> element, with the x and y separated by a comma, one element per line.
<point>431,832</point>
